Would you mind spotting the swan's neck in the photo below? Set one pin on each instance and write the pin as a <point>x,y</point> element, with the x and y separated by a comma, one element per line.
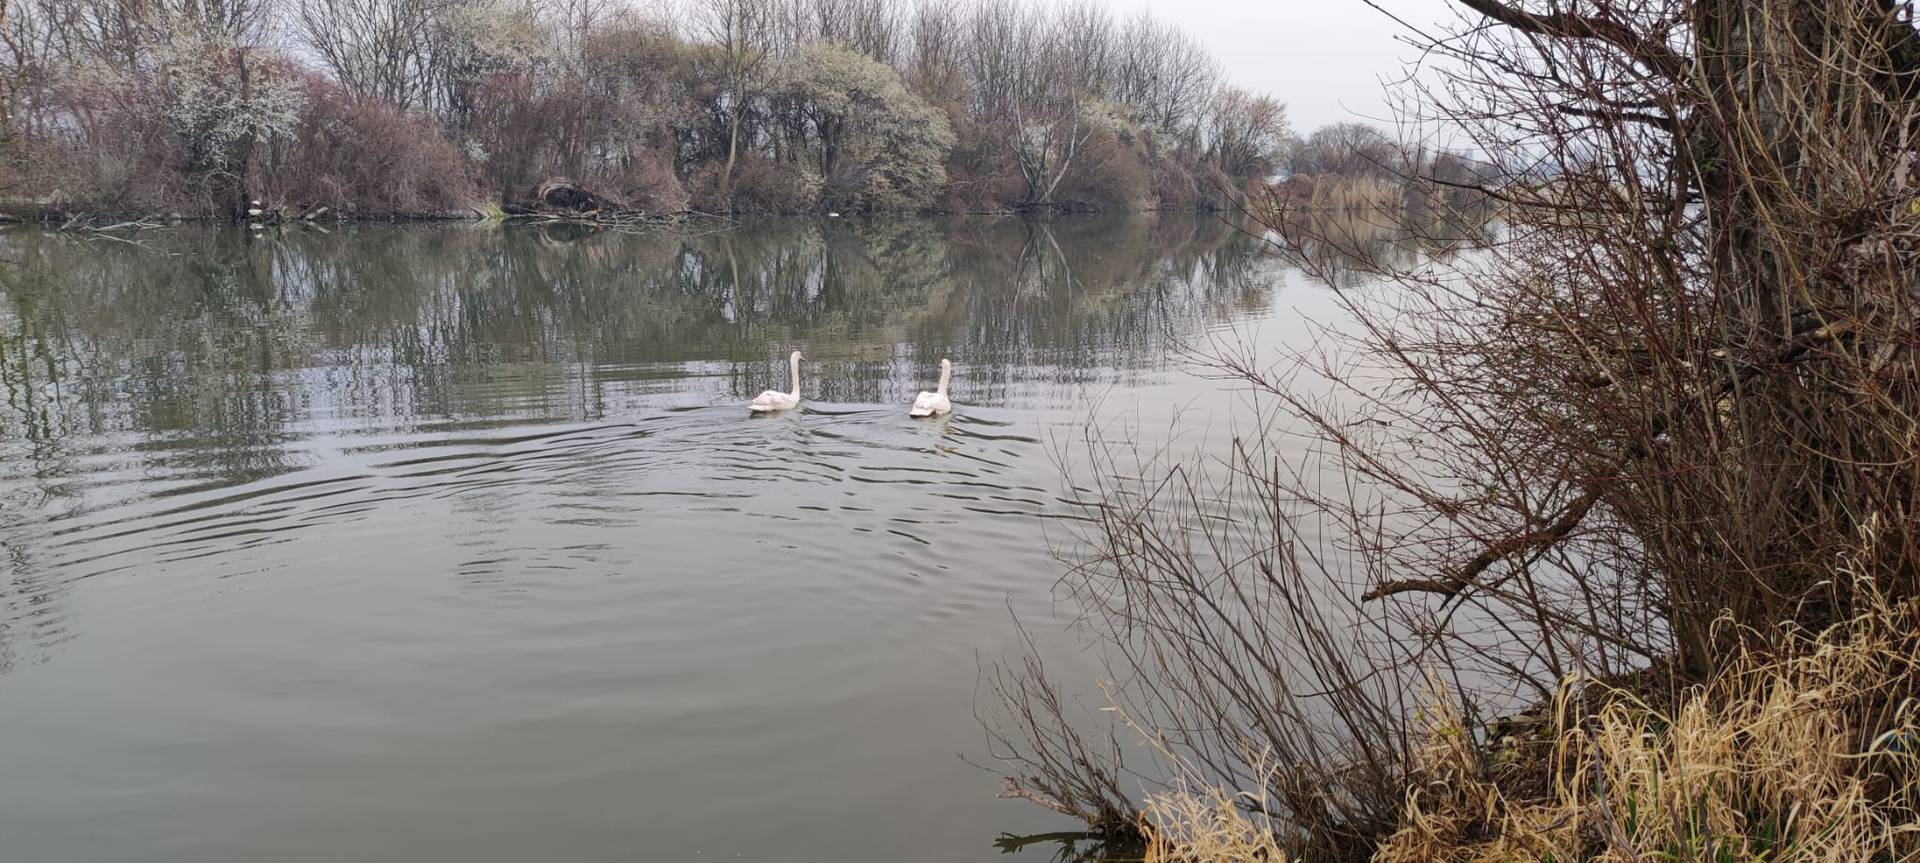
<point>793,364</point>
<point>946,375</point>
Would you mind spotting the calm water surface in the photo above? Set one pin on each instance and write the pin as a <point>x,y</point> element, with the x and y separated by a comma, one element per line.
<point>456,543</point>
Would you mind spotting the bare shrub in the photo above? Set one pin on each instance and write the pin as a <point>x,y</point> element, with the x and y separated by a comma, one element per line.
<point>1686,377</point>
<point>757,185</point>
<point>1048,760</point>
<point>370,158</point>
<point>980,175</point>
<point>1113,174</point>
<point>1173,187</point>
<point>120,155</point>
<point>1236,650</point>
<point>648,183</point>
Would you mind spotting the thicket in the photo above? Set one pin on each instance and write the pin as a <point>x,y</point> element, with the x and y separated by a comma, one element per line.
<point>417,106</point>
<point>1650,463</point>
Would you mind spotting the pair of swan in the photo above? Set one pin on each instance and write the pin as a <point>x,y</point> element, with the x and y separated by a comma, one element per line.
<point>924,405</point>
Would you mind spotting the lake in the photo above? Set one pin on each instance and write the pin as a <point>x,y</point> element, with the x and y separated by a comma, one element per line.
<point>457,542</point>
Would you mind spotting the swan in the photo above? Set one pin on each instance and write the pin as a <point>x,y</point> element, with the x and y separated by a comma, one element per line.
<point>774,400</point>
<point>929,403</point>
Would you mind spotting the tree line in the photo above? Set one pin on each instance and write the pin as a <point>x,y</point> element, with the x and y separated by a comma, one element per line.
<point>380,107</point>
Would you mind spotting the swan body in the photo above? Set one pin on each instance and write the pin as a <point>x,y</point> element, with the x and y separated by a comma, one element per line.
<point>929,403</point>
<point>775,400</point>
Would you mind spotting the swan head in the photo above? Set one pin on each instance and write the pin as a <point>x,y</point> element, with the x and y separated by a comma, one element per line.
<point>946,365</point>
<point>795,357</point>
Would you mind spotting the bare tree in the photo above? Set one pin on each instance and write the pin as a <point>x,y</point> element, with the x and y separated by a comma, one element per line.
<point>376,49</point>
<point>1347,149</point>
<point>1086,41</point>
<point>576,20</point>
<point>1246,133</point>
<point>738,31</point>
<point>1165,76</point>
<point>1002,43</point>
<point>935,59</point>
<point>871,27</point>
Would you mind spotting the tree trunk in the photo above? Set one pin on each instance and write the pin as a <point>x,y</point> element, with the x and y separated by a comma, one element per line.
<point>733,153</point>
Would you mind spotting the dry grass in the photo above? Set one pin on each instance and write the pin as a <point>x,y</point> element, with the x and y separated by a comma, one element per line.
<point>1382,198</point>
<point>1806,754</point>
<point>1368,194</point>
<point>1809,753</point>
<point>1206,825</point>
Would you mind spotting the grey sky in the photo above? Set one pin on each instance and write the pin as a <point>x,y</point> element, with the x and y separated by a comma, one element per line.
<point>1324,58</point>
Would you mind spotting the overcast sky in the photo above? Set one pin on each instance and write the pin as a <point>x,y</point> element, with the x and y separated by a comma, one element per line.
<point>1324,58</point>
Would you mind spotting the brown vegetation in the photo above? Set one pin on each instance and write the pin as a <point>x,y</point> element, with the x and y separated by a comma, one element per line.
<point>1671,417</point>
<point>1767,761</point>
<point>1802,751</point>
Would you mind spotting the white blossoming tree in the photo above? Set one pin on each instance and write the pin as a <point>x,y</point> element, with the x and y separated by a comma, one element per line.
<point>222,102</point>
<point>880,147</point>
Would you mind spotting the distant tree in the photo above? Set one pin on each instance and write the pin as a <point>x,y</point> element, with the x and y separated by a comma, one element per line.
<point>871,27</point>
<point>879,145</point>
<point>935,64</point>
<point>1247,133</point>
<point>669,98</point>
<point>221,100</point>
<point>376,49</point>
<point>475,42</point>
<point>1088,49</point>
<point>641,87</point>
<point>1347,149</point>
<point>1164,76</point>
<point>1002,58</point>
<point>574,21</point>
<point>738,32</point>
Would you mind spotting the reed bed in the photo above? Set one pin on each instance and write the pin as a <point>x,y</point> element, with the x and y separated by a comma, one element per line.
<point>1807,752</point>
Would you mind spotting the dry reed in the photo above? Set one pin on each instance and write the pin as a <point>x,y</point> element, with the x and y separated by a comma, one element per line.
<point>1804,754</point>
<point>1206,824</point>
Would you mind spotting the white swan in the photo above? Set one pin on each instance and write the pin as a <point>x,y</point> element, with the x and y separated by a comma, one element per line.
<point>775,400</point>
<point>929,403</point>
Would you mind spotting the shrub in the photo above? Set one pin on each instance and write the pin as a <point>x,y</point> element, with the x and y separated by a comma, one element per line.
<point>372,159</point>
<point>649,183</point>
<point>120,155</point>
<point>1173,186</point>
<point>182,135</point>
<point>1111,171</point>
<point>981,175</point>
<point>760,185</point>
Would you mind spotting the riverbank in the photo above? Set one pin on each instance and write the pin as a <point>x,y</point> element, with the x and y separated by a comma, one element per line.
<point>1809,751</point>
<point>69,215</point>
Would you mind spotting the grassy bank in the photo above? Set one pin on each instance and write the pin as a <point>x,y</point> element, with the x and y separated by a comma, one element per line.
<point>1809,751</point>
